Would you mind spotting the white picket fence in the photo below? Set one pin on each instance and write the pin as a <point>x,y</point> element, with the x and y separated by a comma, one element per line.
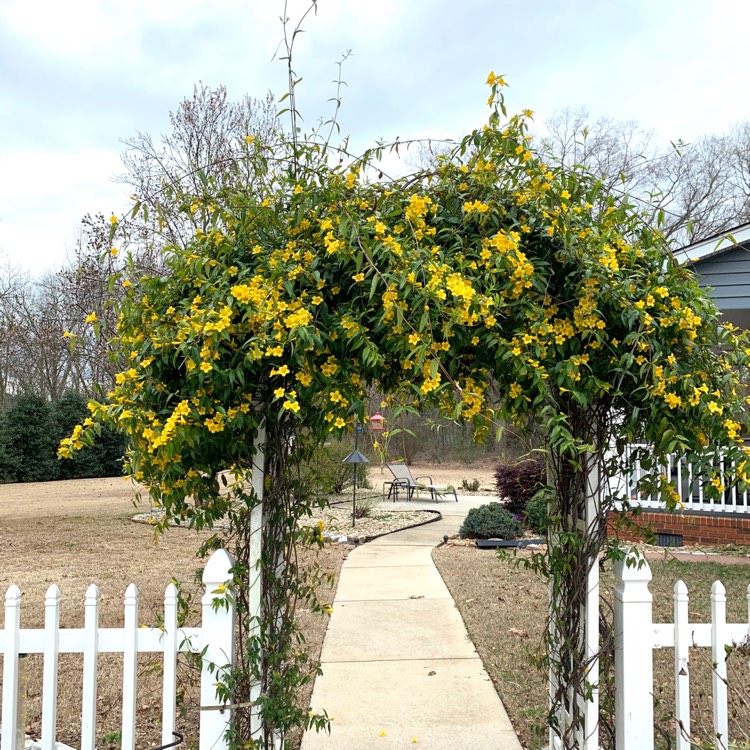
<point>214,639</point>
<point>636,635</point>
<point>688,483</point>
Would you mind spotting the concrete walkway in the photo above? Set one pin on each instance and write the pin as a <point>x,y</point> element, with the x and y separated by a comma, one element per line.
<point>399,669</point>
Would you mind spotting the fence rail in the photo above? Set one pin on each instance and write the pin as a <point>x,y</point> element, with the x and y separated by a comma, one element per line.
<point>214,640</point>
<point>636,635</point>
<point>687,482</point>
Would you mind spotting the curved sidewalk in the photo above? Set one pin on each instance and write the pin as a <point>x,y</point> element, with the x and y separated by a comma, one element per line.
<point>398,665</point>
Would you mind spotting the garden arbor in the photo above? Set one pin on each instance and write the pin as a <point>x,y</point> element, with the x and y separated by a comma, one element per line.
<point>491,285</point>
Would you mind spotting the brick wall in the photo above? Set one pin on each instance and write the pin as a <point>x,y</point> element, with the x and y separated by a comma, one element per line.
<point>695,528</point>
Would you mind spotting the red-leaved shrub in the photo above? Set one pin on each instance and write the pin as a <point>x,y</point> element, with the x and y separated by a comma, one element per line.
<point>518,482</point>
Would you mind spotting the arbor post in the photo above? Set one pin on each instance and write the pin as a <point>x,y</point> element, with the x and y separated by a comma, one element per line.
<point>255,594</point>
<point>591,614</point>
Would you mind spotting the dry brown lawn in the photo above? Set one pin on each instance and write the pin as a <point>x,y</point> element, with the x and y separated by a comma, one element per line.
<point>77,532</point>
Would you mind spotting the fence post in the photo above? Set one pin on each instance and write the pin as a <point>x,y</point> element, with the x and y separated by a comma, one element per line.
<point>217,628</point>
<point>634,707</point>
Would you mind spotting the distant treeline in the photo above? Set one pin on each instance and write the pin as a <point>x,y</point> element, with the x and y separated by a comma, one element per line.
<point>31,428</point>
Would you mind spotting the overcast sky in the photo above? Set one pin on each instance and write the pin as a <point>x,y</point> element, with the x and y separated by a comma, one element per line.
<point>77,76</point>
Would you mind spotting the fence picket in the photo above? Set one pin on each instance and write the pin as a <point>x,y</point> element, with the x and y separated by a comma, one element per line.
<point>129,667</point>
<point>11,651</point>
<point>169,684</point>
<point>719,657</point>
<point>49,681</point>
<point>90,662</point>
<point>682,665</point>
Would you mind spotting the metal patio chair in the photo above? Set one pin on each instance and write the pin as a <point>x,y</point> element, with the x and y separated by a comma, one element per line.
<point>403,481</point>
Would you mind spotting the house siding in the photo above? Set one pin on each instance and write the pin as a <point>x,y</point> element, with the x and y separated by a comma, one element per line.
<point>728,276</point>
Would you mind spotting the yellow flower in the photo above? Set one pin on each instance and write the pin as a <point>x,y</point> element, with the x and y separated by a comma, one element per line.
<point>279,392</point>
<point>113,219</point>
<point>283,370</point>
<point>206,367</point>
<point>249,138</point>
<point>673,401</point>
<point>358,277</point>
<point>493,80</point>
<point>339,423</point>
<point>114,252</point>
<point>91,318</point>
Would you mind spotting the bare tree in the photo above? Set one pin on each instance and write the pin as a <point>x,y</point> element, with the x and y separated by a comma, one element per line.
<point>688,190</point>
<point>12,282</point>
<point>202,156</point>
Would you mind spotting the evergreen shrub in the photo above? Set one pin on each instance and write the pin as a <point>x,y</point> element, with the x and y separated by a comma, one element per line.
<point>537,511</point>
<point>490,521</point>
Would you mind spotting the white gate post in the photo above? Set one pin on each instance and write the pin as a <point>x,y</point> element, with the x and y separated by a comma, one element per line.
<point>634,670</point>
<point>217,643</point>
<point>255,594</point>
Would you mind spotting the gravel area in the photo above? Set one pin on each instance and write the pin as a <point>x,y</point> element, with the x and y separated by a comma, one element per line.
<point>337,520</point>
